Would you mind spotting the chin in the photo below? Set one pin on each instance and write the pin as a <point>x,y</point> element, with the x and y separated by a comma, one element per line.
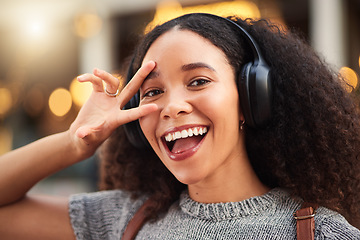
<point>188,180</point>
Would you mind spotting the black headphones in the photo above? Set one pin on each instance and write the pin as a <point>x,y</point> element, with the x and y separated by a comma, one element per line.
<point>254,86</point>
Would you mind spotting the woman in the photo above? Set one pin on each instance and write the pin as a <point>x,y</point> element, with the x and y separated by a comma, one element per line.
<point>211,174</point>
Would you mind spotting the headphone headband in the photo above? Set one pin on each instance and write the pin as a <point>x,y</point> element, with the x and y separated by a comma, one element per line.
<point>254,46</point>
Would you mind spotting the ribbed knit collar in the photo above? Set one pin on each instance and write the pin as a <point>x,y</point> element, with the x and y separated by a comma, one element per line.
<point>231,210</point>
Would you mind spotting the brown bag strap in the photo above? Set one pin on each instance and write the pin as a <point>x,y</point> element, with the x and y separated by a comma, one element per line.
<point>305,223</point>
<point>137,221</point>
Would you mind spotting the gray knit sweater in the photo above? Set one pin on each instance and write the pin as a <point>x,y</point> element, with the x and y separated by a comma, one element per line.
<point>104,215</point>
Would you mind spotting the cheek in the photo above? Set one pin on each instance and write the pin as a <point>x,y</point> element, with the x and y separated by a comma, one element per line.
<point>223,104</point>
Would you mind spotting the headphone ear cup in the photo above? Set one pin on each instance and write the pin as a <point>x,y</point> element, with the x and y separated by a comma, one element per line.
<point>260,94</point>
<point>132,129</point>
<point>135,135</point>
<point>255,94</point>
<point>244,93</point>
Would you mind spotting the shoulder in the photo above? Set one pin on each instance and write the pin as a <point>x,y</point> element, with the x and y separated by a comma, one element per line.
<point>109,198</point>
<point>104,213</point>
<point>332,225</point>
<point>104,201</point>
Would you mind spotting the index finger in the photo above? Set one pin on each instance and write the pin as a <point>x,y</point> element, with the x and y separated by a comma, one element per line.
<point>135,83</point>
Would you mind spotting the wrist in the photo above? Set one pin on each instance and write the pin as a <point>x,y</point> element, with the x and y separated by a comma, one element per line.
<point>78,147</point>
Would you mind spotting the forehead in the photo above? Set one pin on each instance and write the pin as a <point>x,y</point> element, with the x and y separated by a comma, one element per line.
<point>183,44</point>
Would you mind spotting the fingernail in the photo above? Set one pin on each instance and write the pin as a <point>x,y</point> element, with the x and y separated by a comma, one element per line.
<point>81,77</point>
<point>97,71</point>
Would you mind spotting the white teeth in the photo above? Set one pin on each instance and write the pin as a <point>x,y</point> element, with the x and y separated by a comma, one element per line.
<point>190,132</point>
<point>177,135</point>
<point>168,138</point>
<point>185,133</point>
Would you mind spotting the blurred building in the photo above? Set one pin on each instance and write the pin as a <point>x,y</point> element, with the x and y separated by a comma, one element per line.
<point>44,45</point>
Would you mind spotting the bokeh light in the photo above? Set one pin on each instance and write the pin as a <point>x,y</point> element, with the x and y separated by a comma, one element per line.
<point>5,101</point>
<point>35,28</point>
<point>87,25</point>
<point>60,102</point>
<point>350,77</point>
<point>80,92</point>
<point>6,138</point>
<point>167,10</point>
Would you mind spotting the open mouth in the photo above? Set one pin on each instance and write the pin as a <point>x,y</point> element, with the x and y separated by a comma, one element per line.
<point>181,141</point>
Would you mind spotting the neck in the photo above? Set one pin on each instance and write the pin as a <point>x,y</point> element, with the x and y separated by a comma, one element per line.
<point>235,183</point>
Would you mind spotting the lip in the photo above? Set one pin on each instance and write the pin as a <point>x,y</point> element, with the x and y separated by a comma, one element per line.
<point>187,153</point>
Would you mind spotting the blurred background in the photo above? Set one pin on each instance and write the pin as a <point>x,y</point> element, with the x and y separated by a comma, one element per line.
<point>46,44</point>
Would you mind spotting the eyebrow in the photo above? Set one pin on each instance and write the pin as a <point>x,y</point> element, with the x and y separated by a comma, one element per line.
<point>151,75</point>
<point>186,67</point>
<point>192,66</point>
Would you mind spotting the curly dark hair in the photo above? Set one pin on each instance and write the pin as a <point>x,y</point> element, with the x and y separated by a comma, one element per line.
<point>310,146</point>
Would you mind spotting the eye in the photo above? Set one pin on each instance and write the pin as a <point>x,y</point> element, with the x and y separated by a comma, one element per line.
<point>198,82</point>
<point>152,93</point>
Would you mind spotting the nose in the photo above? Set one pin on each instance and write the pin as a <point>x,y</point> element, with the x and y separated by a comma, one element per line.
<point>176,105</point>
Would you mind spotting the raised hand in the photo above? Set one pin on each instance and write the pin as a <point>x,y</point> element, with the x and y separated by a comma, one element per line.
<point>103,113</point>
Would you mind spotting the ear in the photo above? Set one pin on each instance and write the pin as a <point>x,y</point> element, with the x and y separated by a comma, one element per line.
<point>241,115</point>
<point>241,120</point>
